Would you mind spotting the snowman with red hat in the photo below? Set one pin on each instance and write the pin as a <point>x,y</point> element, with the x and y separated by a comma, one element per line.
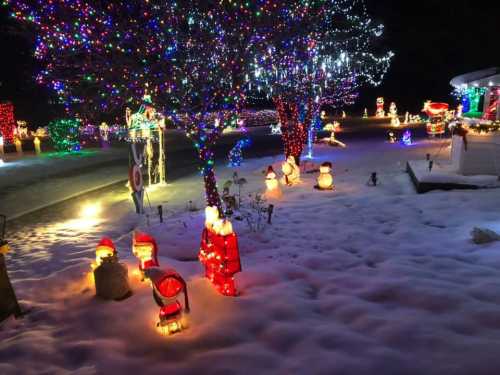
<point>110,276</point>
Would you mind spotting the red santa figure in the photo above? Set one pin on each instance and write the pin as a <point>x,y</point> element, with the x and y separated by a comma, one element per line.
<point>145,249</point>
<point>105,249</point>
<point>219,253</point>
<point>167,286</point>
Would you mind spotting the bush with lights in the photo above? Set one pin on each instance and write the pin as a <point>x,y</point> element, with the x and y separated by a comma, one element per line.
<point>64,134</point>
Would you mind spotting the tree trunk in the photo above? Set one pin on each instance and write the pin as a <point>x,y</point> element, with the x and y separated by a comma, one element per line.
<point>294,129</point>
<point>211,192</point>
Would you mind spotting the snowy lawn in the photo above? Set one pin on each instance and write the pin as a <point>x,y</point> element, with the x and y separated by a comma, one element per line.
<point>361,280</point>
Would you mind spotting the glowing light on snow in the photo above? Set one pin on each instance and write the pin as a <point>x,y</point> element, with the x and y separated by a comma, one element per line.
<point>90,211</point>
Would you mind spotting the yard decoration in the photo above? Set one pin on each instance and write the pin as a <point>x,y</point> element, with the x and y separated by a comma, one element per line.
<point>291,172</point>
<point>272,184</point>
<point>219,252</point>
<point>145,249</point>
<point>167,286</point>
<point>325,179</point>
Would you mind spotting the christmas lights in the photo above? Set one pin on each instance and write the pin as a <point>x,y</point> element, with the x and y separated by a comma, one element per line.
<point>406,138</point>
<point>236,153</point>
<point>314,53</point>
<point>219,252</point>
<point>64,134</point>
<point>145,131</point>
<point>7,123</point>
<point>436,113</point>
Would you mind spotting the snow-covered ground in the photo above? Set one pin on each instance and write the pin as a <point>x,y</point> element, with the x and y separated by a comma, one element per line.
<point>360,280</point>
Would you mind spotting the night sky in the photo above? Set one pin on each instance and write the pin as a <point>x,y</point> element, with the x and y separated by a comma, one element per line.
<point>433,42</point>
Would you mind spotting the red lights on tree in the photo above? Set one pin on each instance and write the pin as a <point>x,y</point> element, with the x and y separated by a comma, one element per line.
<point>7,122</point>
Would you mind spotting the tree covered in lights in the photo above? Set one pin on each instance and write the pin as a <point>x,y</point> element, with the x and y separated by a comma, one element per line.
<point>190,55</point>
<point>314,53</point>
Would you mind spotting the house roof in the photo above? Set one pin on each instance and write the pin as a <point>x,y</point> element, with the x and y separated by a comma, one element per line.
<point>479,78</point>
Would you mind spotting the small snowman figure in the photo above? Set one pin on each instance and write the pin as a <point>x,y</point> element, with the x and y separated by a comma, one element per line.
<point>273,190</point>
<point>391,137</point>
<point>291,172</point>
<point>325,179</point>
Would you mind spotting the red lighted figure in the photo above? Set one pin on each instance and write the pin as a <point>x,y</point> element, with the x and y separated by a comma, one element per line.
<point>220,255</point>
<point>7,122</point>
<point>167,286</point>
<point>105,249</point>
<point>145,249</point>
<point>437,114</point>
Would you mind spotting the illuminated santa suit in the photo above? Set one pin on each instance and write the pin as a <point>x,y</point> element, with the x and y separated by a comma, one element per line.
<point>146,250</point>
<point>219,252</point>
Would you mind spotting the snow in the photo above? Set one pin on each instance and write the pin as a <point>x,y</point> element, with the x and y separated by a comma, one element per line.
<point>444,172</point>
<point>359,280</point>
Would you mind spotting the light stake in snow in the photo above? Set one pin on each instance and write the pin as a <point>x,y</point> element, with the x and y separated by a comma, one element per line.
<point>219,252</point>
<point>160,213</point>
<point>145,249</point>
<point>373,180</point>
<point>167,286</point>
<point>270,211</point>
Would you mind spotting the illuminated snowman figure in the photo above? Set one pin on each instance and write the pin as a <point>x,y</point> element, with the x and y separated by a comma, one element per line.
<point>325,178</point>
<point>105,249</point>
<point>393,112</point>
<point>272,186</point>
<point>291,172</point>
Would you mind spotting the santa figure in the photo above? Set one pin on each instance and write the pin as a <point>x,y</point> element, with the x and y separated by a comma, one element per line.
<point>145,249</point>
<point>380,108</point>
